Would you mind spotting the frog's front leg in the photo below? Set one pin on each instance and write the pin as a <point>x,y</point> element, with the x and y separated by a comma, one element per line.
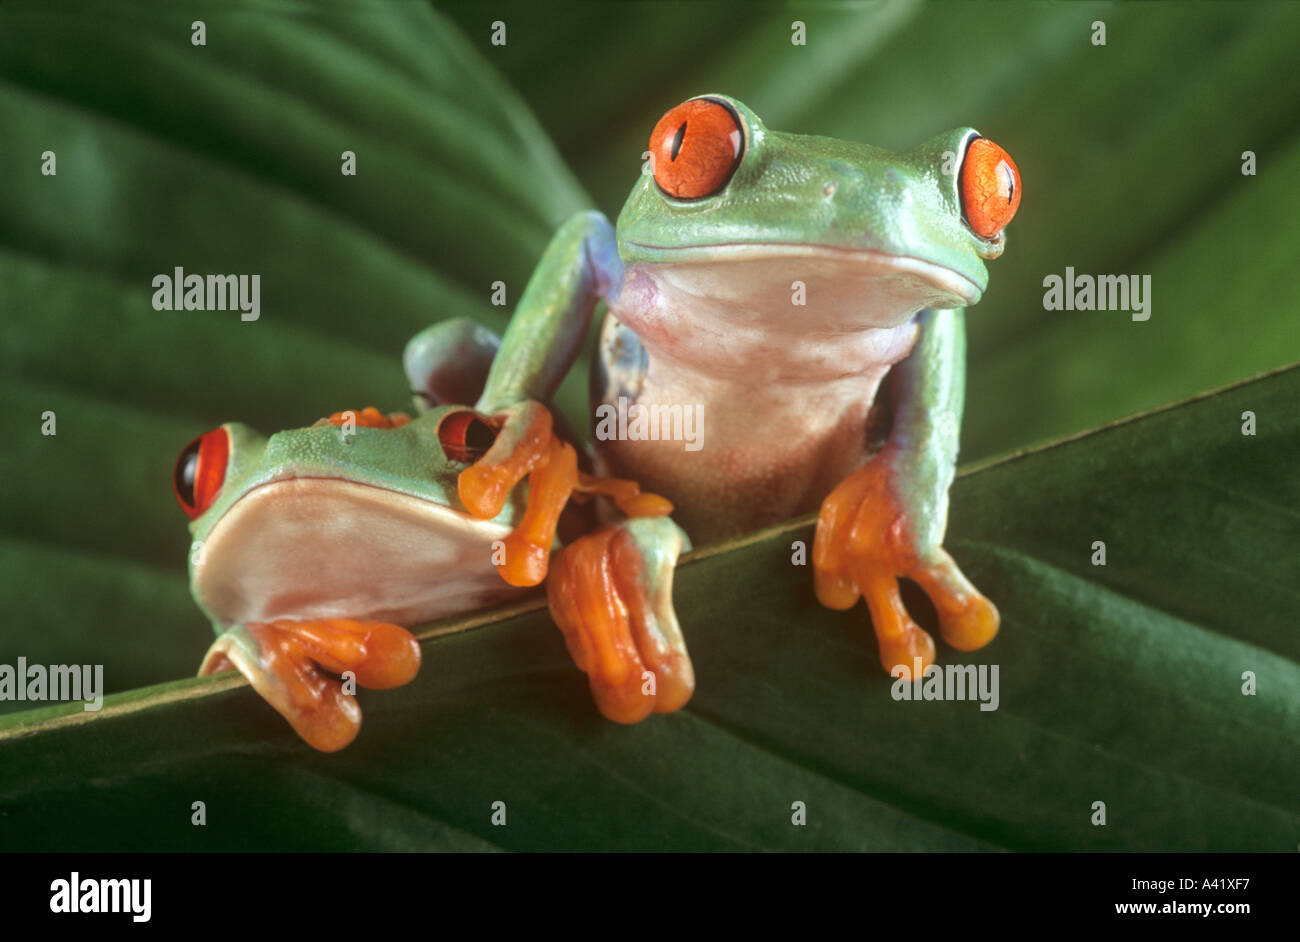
<point>611,593</point>
<point>293,664</point>
<point>545,335</point>
<point>888,519</point>
<point>579,267</point>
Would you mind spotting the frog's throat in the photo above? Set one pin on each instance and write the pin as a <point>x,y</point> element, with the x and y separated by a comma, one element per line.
<point>326,548</point>
<point>940,276</point>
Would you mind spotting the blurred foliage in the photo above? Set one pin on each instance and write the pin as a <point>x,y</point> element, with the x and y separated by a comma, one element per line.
<point>225,158</point>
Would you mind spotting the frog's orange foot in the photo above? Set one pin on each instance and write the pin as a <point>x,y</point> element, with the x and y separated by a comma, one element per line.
<point>863,545</point>
<point>611,594</point>
<point>526,445</point>
<point>369,417</point>
<point>293,665</point>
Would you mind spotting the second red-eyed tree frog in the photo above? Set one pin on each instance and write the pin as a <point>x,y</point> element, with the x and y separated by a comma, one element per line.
<point>314,549</point>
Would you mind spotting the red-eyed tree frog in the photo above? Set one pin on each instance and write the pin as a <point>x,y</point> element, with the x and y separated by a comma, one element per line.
<point>763,282</point>
<point>314,549</point>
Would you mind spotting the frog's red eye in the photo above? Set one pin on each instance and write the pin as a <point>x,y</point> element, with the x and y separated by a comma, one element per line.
<point>990,187</point>
<point>200,471</point>
<point>465,436</point>
<point>695,148</point>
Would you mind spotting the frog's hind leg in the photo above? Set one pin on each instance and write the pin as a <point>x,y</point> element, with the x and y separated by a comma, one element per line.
<point>610,592</point>
<point>292,665</point>
<point>448,363</point>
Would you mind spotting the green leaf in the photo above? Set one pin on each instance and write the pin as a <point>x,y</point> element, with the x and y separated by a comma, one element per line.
<point>1120,684</point>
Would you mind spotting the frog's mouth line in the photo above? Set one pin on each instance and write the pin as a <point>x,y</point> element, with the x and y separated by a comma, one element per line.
<point>315,547</point>
<point>940,276</point>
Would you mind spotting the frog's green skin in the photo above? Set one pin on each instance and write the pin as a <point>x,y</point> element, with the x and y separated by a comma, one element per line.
<point>320,522</point>
<point>700,311</point>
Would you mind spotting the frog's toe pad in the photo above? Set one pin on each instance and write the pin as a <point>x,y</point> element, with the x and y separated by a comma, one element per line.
<point>971,625</point>
<point>369,417</point>
<point>967,620</point>
<point>901,651</point>
<point>610,592</point>
<point>293,664</point>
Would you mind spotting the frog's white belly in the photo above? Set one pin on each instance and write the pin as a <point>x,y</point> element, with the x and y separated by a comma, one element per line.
<point>782,394</point>
<point>309,548</point>
<point>765,453</point>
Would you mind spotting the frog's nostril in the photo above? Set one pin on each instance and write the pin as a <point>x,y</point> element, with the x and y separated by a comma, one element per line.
<point>465,435</point>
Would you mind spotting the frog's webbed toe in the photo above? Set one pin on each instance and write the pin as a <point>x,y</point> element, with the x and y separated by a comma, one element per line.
<point>611,594</point>
<point>369,417</point>
<point>294,666</point>
<point>526,446</point>
<point>864,543</point>
<point>967,620</point>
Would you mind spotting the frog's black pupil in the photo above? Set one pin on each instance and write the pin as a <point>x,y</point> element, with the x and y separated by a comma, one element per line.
<point>479,437</point>
<point>186,469</point>
<point>465,437</point>
<point>677,141</point>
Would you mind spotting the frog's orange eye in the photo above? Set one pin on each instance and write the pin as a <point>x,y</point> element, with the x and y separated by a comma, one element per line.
<point>695,148</point>
<point>465,436</point>
<point>200,471</point>
<point>990,187</point>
